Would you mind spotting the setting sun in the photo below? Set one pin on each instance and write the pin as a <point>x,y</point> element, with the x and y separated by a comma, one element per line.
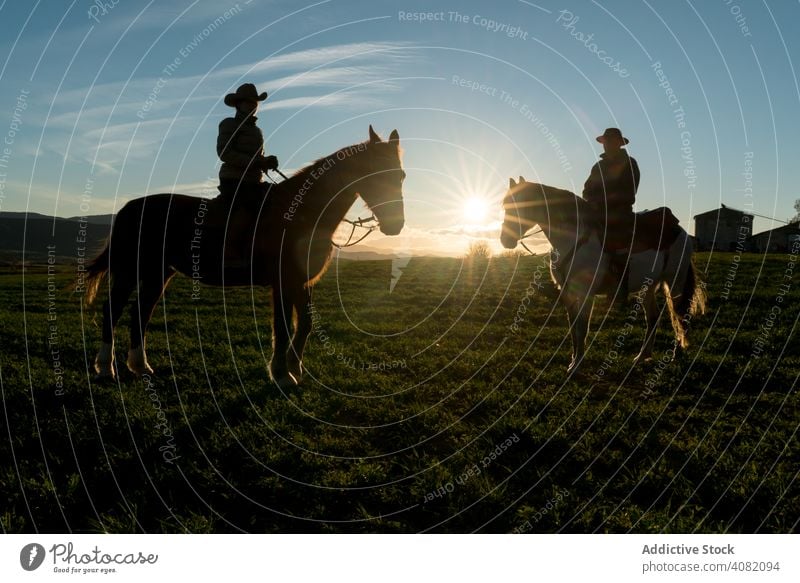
<point>476,210</point>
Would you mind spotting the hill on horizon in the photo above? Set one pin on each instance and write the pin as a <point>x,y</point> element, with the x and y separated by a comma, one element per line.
<point>29,236</point>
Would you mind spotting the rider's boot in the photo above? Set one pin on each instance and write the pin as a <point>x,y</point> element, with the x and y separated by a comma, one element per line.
<point>619,262</point>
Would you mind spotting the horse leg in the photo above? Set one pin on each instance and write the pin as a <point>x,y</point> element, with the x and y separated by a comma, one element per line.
<point>112,310</point>
<point>150,292</point>
<point>651,314</point>
<point>294,357</point>
<point>579,329</point>
<point>281,325</point>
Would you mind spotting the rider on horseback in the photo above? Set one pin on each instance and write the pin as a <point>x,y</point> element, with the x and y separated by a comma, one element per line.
<point>610,191</point>
<point>240,146</point>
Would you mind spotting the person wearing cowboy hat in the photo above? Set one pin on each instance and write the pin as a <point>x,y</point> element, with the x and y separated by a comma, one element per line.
<point>610,191</point>
<point>240,146</point>
<point>613,181</point>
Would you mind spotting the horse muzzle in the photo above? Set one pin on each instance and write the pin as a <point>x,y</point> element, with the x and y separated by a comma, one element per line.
<point>508,242</point>
<point>391,218</point>
<point>391,227</point>
<point>507,238</point>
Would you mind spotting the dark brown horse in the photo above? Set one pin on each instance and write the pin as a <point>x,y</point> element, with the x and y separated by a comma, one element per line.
<point>291,231</point>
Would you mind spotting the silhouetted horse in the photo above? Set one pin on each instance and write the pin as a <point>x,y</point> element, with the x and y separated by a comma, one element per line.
<point>291,231</point>
<point>661,256</point>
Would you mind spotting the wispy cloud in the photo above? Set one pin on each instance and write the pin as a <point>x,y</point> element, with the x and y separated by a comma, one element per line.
<point>340,76</point>
<point>338,64</point>
<point>332,55</point>
<point>345,100</point>
<point>207,188</point>
<point>176,14</point>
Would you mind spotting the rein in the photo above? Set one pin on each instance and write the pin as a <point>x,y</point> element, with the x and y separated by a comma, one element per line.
<point>359,222</point>
<point>532,233</point>
<point>279,172</point>
<point>282,174</point>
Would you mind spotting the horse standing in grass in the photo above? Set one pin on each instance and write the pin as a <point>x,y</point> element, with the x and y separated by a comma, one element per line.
<point>291,230</point>
<point>660,256</point>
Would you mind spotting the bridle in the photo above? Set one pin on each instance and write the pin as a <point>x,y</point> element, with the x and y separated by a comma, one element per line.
<point>519,221</point>
<point>555,256</point>
<point>526,236</point>
<point>359,222</point>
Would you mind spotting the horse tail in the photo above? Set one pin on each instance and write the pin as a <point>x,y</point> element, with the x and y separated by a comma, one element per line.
<point>95,273</point>
<point>690,302</point>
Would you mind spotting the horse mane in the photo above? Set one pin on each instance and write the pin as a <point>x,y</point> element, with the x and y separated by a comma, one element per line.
<point>561,210</point>
<point>302,180</point>
<point>559,202</point>
<point>289,187</point>
<point>319,162</point>
<point>342,154</point>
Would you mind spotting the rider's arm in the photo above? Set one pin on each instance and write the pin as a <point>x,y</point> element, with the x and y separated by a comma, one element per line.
<point>626,181</point>
<point>225,146</point>
<point>593,190</point>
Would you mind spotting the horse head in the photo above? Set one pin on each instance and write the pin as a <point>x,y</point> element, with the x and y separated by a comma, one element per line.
<point>528,204</point>
<point>380,181</point>
<point>518,217</point>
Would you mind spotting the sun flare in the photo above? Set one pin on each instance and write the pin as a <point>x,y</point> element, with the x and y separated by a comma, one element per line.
<point>476,210</point>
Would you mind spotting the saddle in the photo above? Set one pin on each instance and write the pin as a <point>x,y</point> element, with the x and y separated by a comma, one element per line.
<point>232,224</point>
<point>654,229</point>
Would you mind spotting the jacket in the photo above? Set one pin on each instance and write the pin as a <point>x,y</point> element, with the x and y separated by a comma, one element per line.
<point>613,180</point>
<point>240,146</point>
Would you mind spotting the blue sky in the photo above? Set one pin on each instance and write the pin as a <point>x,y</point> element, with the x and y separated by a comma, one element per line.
<point>105,102</point>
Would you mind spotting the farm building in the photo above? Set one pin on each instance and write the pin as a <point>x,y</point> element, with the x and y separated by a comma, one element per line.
<point>722,229</point>
<point>778,240</point>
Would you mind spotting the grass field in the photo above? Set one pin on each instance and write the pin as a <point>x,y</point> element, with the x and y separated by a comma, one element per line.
<point>424,410</point>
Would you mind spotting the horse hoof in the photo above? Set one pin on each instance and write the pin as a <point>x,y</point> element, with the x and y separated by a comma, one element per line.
<point>104,371</point>
<point>137,362</point>
<point>103,377</point>
<point>574,366</point>
<point>141,371</point>
<point>297,375</point>
<point>286,382</point>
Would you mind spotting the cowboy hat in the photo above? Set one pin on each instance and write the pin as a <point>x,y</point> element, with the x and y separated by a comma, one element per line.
<point>246,92</point>
<point>612,133</point>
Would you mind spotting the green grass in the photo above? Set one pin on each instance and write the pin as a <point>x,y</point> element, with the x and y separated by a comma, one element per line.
<point>407,447</point>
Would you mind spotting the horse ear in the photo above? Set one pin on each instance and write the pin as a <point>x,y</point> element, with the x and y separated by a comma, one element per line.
<point>511,183</point>
<point>373,137</point>
<point>521,180</point>
<point>394,137</point>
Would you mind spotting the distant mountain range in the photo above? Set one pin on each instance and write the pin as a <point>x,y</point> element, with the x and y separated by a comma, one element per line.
<point>30,236</point>
<point>362,252</point>
<point>93,219</point>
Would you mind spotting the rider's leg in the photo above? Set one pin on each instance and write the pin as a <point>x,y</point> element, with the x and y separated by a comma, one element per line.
<point>621,221</point>
<point>237,237</point>
<point>227,189</point>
